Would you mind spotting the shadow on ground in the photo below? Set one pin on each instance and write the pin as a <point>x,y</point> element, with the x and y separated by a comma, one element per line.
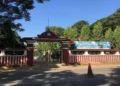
<point>115,77</point>
<point>44,77</point>
<point>63,78</point>
<point>40,66</point>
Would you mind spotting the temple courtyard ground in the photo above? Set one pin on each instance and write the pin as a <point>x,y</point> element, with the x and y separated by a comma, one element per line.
<point>44,74</point>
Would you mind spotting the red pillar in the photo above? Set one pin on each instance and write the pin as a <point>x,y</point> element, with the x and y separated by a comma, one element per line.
<point>65,53</point>
<point>30,51</point>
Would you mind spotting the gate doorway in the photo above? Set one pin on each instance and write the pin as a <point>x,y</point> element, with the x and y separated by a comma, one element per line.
<point>47,36</point>
<point>48,53</point>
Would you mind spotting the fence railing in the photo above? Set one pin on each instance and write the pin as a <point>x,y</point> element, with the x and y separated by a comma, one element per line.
<point>87,58</point>
<point>93,58</point>
<point>13,60</point>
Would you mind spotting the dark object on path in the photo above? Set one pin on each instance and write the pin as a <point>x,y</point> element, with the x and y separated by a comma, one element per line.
<point>90,73</point>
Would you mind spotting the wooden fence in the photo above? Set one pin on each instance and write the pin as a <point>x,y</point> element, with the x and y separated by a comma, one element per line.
<point>13,60</point>
<point>103,56</point>
<point>93,58</point>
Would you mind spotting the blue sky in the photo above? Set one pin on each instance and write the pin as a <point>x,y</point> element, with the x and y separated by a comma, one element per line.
<point>65,13</point>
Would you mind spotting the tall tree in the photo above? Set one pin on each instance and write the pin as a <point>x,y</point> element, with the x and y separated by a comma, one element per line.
<point>10,11</point>
<point>97,32</point>
<point>109,37</point>
<point>9,38</point>
<point>85,33</point>
<point>117,36</point>
<point>57,30</point>
<point>79,25</point>
<point>110,21</point>
<point>70,33</point>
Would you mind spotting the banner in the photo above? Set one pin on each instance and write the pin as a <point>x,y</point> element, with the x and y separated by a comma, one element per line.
<point>92,45</point>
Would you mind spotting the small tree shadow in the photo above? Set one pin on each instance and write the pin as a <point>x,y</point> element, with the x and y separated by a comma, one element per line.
<point>115,77</point>
<point>47,78</point>
<point>44,76</point>
<point>40,66</point>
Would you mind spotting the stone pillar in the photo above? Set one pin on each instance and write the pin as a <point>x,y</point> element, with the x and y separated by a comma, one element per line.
<point>102,53</point>
<point>117,53</point>
<point>86,53</point>
<point>30,53</point>
<point>2,53</point>
<point>65,50</point>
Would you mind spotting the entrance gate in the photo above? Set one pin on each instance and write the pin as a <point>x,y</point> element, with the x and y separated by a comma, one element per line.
<point>46,56</point>
<point>47,36</point>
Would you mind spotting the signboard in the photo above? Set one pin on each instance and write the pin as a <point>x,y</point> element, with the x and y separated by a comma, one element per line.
<point>92,45</point>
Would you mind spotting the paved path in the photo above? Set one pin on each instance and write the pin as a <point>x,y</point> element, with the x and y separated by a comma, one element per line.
<point>66,76</point>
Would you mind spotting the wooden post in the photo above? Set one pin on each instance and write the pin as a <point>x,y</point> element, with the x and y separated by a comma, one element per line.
<point>65,52</point>
<point>30,53</point>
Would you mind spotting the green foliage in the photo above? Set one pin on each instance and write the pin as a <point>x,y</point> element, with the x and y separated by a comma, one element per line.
<point>43,46</point>
<point>109,37</point>
<point>112,21</point>
<point>85,33</point>
<point>117,36</point>
<point>97,32</point>
<point>79,25</point>
<point>108,25</point>
<point>10,38</point>
<point>57,30</point>
<point>37,53</point>
<point>109,22</point>
<point>10,11</point>
<point>47,46</point>
<point>70,33</point>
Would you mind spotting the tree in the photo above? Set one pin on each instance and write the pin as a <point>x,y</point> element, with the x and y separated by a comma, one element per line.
<point>10,11</point>
<point>109,37</point>
<point>117,36</point>
<point>79,25</point>
<point>57,30</point>
<point>10,38</point>
<point>43,48</point>
<point>47,47</point>
<point>70,33</point>
<point>85,33</point>
<point>110,21</point>
<point>97,32</point>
